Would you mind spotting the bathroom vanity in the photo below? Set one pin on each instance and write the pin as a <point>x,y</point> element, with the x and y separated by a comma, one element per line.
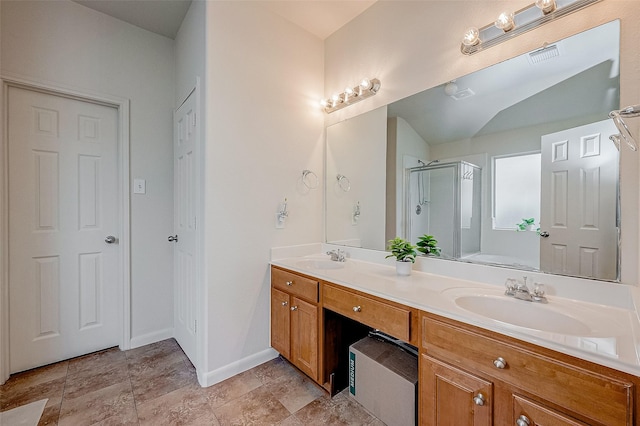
<point>471,371</point>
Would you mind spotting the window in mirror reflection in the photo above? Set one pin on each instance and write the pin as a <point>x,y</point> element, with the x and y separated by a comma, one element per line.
<point>516,195</point>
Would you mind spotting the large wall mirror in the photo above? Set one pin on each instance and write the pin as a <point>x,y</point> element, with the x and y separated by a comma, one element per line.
<point>511,165</point>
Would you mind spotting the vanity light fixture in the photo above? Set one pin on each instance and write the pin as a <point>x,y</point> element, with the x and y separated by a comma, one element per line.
<point>351,95</point>
<point>509,25</point>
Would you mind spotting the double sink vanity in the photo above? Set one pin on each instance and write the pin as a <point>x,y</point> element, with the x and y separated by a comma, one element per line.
<point>484,357</point>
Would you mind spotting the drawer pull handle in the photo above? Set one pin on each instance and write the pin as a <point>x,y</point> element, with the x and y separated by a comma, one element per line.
<point>357,309</point>
<point>294,308</point>
<point>289,283</point>
<point>523,421</point>
<point>500,363</point>
<point>285,303</point>
<point>479,399</point>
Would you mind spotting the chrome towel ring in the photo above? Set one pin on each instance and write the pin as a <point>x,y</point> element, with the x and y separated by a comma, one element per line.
<point>309,179</point>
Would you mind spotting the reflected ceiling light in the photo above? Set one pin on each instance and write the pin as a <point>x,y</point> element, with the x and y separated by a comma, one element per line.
<point>509,25</point>
<point>351,95</point>
<point>451,88</point>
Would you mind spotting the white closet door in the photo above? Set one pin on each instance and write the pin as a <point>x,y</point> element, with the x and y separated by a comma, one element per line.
<point>185,260</point>
<point>63,276</point>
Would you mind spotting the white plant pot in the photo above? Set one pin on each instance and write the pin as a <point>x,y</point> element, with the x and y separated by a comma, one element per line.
<point>531,227</point>
<point>403,268</point>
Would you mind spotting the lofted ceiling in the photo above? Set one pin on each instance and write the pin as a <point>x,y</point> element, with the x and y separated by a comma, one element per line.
<point>319,17</point>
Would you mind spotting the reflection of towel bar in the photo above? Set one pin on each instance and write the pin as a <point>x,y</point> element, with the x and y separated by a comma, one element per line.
<point>617,117</point>
<point>343,182</point>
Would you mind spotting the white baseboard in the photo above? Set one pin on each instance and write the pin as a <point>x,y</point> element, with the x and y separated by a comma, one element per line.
<point>230,370</point>
<point>149,338</point>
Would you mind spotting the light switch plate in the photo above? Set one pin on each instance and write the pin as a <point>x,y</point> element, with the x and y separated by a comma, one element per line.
<point>139,186</point>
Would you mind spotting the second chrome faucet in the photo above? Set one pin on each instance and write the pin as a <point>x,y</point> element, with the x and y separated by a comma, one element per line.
<point>337,255</point>
<point>520,290</point>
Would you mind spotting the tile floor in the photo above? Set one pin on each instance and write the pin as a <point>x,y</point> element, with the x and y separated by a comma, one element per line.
<point>156,385</point>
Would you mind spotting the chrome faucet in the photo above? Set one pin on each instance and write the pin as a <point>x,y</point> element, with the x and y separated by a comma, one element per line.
<point>520,290</point>
<point>337,255</point>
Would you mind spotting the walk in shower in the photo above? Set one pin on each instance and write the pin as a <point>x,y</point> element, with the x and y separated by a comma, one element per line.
<point>444,200</point>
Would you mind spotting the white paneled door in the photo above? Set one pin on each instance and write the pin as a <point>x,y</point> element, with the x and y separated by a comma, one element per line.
<point>579,213</point>
<point>185,224</point>
<point>64,280</point>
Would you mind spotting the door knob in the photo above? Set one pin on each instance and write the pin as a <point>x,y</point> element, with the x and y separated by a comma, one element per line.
<point>173,238</point>
<point>523,421</point>
<point>110,239</point>
<point>544,234</point>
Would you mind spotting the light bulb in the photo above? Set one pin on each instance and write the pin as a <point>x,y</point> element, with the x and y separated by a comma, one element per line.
<point>505,22</point>
<point>471,37</point>
<point>348,92</point>
<point>547,6</point>
<point>365,84</point>
<point>335,100</point>
<point>324,103</point>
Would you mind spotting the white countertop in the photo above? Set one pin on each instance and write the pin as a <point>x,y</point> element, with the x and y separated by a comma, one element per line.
<point>613,339</point>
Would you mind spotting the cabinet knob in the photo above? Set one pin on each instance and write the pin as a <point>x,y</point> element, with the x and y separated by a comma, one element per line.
<point>478,399</point>
<point>357,309</point>
<point>294,308</point>
<point>289,283</point>
<point>500,363</point>
<point>285,303</point>
<point>523,421</point>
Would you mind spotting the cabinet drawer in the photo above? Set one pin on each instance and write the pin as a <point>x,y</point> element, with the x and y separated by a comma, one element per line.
<point>295,284</point>
<point>377,314</point>
<point>593,395</point>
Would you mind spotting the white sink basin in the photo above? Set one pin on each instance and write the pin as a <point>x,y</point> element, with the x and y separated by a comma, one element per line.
<point>558,316</point>
<point>320,264</point>
<point>523,314</point>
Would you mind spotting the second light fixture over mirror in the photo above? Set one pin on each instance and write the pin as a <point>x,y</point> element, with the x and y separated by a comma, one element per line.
<point>509,24</point>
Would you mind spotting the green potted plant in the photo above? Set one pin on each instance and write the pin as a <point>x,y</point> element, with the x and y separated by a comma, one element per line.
<point>405,254</point>
<point>526,224</point>
<point>428,245</point>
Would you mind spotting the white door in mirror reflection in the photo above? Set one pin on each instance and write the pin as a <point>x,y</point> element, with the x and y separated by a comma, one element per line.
<point>580,210</point>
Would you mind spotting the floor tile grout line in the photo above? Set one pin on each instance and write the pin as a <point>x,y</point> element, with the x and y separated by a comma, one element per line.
<point>64,389</point>
<point>133,395</point>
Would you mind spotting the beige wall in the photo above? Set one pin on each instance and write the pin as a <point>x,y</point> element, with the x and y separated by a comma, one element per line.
<point>263,127</point>
<point>414,45</point>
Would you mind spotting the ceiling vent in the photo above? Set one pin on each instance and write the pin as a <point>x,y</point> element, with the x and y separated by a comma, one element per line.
<point>463,94</point>
<point>544,54</point>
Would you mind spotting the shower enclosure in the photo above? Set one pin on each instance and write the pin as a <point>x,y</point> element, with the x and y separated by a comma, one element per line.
<point>444,200</point>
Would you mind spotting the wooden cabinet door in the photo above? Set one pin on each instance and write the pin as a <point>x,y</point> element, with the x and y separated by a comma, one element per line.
<point>280,323</point>
<point>539,415</point>
<point>304,336</point>
<point>452,397</point>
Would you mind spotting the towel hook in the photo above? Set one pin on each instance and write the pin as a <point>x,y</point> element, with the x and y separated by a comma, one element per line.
<point>343,182</point>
